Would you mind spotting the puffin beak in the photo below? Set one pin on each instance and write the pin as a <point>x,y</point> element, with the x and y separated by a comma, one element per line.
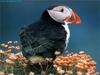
<point>76,19</point>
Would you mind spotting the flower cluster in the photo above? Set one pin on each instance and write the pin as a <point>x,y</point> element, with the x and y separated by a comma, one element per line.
<point>10,52</point>
<point>73,63</point>
<point>12,62</point>
<point>10,57</point>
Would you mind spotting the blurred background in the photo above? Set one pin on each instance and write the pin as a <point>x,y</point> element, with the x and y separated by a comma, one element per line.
<point>15,14</point>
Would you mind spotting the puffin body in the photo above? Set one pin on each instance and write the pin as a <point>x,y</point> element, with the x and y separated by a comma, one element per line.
<point>50,33</point>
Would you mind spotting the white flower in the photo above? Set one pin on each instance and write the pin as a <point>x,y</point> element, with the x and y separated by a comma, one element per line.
<point>11,74</point>
<point>17,47</point>
<point>2,52</point>
<point>31,73</point>
<point>15,42</point>
<point>9,42</point>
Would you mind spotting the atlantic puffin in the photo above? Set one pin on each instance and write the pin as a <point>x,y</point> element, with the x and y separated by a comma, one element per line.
<point>50,33</point>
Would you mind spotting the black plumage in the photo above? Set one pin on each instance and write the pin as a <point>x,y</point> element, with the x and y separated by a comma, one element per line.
<point>43,37</point>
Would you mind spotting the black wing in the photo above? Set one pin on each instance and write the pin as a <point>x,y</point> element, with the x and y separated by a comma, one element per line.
<point>40,40</point>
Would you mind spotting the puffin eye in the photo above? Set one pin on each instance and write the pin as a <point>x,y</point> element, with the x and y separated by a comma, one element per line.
<point>62,10</point>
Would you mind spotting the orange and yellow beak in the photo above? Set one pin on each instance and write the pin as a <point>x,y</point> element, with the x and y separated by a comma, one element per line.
<point>75,20</point>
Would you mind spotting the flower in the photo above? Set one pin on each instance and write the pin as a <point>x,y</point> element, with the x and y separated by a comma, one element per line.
<point>12,56</point>
<point>24,65</point>
<point>61,72</point>
<point>70,72</point>
<point>2,52</point>
<point>49,59</point>
<point>31,73</point>
<point>20,54</point>
<point>81,63</point>
<point>11,74</point>
<point>16,42</point>
<point>3,45</point>
<point>17,47</point>
<point>2,73</point>
<point>8,51</point>
<point>57,53</point>
<point>9,42</point>
<point>81,52</point>
<point>8,61</point>
<point>43,73</point>
<point>79,73</point>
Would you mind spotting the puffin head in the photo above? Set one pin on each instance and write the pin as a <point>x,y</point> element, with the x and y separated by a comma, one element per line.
<point>60,14</point>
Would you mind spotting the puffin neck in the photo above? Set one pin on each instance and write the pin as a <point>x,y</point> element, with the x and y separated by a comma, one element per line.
<point>46,18</point>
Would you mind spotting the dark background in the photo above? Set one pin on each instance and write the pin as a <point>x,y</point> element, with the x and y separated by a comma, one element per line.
<point>14,14</point>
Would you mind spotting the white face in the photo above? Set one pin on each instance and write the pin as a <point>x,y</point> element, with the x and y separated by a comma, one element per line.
<point>60,13</point>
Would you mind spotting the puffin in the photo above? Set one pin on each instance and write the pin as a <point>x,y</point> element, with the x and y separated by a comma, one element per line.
<point>50,33</point>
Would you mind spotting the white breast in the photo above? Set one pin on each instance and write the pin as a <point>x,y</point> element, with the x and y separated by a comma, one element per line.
<point>68,33</point>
